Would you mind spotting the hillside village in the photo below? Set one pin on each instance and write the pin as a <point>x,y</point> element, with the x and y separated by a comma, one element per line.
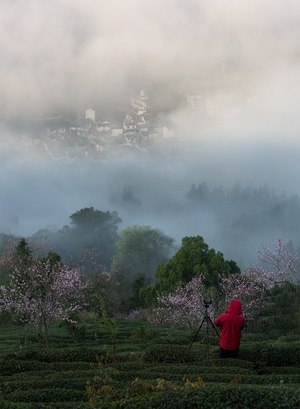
<point>67,140</point>
<point>88,138</point>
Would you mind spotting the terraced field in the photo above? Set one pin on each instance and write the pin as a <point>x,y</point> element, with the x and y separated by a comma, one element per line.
<point>145,367</point>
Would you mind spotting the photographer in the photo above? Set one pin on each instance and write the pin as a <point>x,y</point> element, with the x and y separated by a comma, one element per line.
<point>231,323</point>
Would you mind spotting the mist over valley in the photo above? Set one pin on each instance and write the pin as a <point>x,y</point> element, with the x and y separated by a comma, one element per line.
<point>222,160</point>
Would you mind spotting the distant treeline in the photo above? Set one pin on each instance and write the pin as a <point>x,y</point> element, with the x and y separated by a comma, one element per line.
<point>242,218</point>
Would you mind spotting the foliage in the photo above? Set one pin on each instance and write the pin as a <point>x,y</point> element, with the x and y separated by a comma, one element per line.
<point>46,395</point>
<point>275,287</point>
<point>160,376</point>
<point>218,397</point>
<point>193,258</point>
<point>90,230</point>
<point>182,307</point>
<point>108,322</point>
<point>168,354</point>
<point>140,250</point>
<point>51,355</point>
<point>40,289</point>
<point>249,287</point>
<point>271,353</point>
<point>281,261</point>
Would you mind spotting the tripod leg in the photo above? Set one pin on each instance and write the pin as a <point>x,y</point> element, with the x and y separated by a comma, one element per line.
<point>200,326</point>
<point>213,326</point>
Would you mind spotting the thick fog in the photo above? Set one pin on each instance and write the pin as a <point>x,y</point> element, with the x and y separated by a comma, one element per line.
<point>61,57</point>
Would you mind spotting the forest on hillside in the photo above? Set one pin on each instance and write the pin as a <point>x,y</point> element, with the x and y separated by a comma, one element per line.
<point>235,221</point>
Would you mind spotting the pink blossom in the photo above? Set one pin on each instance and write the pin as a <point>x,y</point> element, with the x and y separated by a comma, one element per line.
<point>41,293</point>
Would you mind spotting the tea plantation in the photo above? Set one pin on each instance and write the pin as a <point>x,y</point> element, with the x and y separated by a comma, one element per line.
<point>145,367</point>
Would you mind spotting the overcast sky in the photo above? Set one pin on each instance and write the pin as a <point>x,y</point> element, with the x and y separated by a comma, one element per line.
<point>63,53</point>
<point>67,55</point>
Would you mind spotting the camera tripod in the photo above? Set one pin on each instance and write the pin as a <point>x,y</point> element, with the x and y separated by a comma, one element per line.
<point>206,319</point>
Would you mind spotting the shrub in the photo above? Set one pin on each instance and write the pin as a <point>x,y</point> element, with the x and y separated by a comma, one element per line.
<point>66,354</point>
<point>217,397</point>
<point>168,353</point>
<point>280,354</point>
<point>12,366</point>
<point>47,395</point>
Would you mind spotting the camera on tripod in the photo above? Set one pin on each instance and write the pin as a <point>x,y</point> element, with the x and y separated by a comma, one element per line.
<point>206,320</point>
<point>207,302</point>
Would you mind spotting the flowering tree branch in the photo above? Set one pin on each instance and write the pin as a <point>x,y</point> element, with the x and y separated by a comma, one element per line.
<point>281,262</point>
<point>40,291</point>
<point>182,307</point>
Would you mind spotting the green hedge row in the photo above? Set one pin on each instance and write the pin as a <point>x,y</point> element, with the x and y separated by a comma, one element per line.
<point>280,354</point>
<point>217,397</point>
<point>25,385</point>
<point>277,354</point>
<point>168,354</point>
<point>66,354</point>
<point>47,395</point>
<point>10,367</point>
<point>52,405</point>
<point>78,380</point>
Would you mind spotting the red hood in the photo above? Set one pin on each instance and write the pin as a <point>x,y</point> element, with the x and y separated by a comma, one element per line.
<point>235,307</point>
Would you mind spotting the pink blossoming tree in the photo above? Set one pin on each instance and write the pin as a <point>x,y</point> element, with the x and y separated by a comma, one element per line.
<point>184,306</point>
<point>280,263</point>
<point>41,290</point>
<point>249,287</point>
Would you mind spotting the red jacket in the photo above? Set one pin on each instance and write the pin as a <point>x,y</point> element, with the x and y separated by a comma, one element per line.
<point>231,323</point>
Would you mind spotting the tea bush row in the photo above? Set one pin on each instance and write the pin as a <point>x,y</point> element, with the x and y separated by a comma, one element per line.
<point>25,385</point>
<point>78,379</point>
<point>217,397</point>
<point>66,354</point>
<point>280,354</point>
<point>47,395</point>
<point>276,354</point>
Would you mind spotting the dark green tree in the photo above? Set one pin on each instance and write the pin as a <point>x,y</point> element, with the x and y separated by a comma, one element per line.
<point>90,230</point>
<point>193,258</point>
<point>140,250</point>
<point>133,299</point>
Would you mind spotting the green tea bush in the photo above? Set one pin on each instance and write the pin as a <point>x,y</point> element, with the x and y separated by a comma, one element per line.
<point>71,366</point>
<point>143,334</point>
<point>239,378</point>
<point>280,354</point>
<point>60,405</point>
<point>280,370</point>
<point>217,397</point>
<point>66,354</point>
<point>12,366</point>
<point>47,395</point>
<point>168,353</point>
<point>229,363</point>
<point>176,340</point>
<point>184,369</point>
<point>67,383</point>
<point>13,405</point>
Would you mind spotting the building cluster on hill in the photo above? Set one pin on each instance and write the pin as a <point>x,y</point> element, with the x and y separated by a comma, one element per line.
<point>67,140</point>
<point>90,139</point>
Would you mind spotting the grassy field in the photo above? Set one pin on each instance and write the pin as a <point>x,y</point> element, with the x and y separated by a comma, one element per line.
<point>136,365</point>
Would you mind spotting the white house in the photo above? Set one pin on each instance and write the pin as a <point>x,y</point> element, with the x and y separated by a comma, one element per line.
<point>90,114</point>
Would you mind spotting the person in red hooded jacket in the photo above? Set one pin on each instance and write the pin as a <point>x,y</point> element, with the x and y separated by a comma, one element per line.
<point>231,323</point>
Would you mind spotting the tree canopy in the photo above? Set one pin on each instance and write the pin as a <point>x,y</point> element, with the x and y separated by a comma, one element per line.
<point>141,249</point>
<point>192,259</point>
<point>40,289</point>
<point>90,229</point>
